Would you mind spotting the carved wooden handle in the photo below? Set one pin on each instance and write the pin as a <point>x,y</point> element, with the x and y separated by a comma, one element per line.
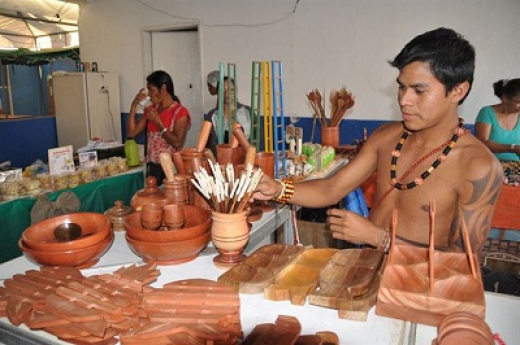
<point>250,156</point>
<point>208,154</point>
<point>233,141</point>
<point>179,164</point>
<point>167,165</point>
<point>204,135</point>
<point>238,132</point>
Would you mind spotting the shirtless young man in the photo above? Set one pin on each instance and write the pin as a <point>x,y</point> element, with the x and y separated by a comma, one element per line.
<point>435,76</point>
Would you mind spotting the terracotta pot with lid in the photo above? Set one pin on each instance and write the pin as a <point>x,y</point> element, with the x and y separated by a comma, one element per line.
<point>117,215</point>
<point>149,195</point>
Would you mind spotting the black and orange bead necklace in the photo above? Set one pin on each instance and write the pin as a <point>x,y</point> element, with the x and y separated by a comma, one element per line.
<point>446,147</point>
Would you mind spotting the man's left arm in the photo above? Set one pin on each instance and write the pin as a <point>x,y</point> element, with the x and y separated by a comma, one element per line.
<point>484,180</point>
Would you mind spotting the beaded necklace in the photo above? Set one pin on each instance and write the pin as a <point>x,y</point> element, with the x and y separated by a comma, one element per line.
<point>459,131</point>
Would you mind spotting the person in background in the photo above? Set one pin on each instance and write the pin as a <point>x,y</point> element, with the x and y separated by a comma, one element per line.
<point>427,158</point>
<point>497,125</point>
<point>212,81</point>
<point>166,121</point>
<point>243,116</point>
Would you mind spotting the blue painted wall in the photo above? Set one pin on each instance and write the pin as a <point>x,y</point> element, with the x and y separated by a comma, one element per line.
<point>22,141</point>
<point>29,92</point>
<point>25,140</point>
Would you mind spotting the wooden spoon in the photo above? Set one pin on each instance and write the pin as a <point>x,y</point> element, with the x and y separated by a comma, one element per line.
<point>320,106</point>
<point>167,165</point>
<point>312,99</point>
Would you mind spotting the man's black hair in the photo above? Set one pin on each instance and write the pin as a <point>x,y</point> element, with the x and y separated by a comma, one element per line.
<point>451,57</point>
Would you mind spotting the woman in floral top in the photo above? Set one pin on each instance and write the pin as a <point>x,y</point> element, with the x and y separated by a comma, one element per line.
<point>166,121</point>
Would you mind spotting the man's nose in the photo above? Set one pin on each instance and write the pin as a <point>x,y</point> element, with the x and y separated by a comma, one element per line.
<point>405,97</point>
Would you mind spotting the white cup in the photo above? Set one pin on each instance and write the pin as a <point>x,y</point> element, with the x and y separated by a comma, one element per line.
<point>144,101</point>
<point>144,92</point>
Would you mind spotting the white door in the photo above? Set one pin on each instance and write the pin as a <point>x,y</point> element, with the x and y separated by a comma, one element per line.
<point>177,52</point>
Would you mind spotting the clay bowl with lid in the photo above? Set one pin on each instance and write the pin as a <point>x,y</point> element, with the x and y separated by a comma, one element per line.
<point>169,253</point>
<point>95,227</point>
<point>198,222</point>
<point>151,194</point>
<point>79,257</point>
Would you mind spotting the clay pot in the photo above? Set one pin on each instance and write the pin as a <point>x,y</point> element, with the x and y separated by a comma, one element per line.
<point>227,154</point>
<point>173,217</point>
<point>188,155</point>
<point>463,325</point>
<point>117,215</point>
<point>198,221</point>
<point>265,160</point>
<point>40,236</point>
<point>169,253</point>
<point>79,258</point>
<point>330,136</point>
<point>149,195</point>
<point>151,216</point>
<point>178,190</point>
<point>230,234</point>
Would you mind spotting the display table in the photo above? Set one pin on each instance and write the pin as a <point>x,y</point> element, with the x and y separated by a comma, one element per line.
<point>502,311</point>
<point>96,196</point>
<point>254,309</point>
<point>502,315</point>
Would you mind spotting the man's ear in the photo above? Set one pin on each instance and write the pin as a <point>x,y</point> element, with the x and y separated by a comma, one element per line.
<point>459,91</point>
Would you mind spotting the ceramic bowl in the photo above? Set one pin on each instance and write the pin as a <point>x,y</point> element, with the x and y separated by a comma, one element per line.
<point>40,236</point>
<point>198,222</point>
<point>79,258</point>
<point>169,253</point>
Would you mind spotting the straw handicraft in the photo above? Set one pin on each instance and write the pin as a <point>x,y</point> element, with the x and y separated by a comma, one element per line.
<point>224,192</point>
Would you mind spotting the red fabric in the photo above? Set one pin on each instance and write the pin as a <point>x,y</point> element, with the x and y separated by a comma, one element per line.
<point>168,116</point>
<point>507,212</point>
<point>156,144</point>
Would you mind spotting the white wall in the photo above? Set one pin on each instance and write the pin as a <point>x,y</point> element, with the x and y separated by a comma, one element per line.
<point>325,44</point>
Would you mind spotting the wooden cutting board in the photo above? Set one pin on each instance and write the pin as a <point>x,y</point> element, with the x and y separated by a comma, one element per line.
<point>259,270</point>
<point>349,283</point>
<point>347,279</point>
<point>299,278</point>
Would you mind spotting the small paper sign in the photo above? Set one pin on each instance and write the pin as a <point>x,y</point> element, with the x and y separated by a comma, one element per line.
<point>61,160</point>
<point>87,159</point>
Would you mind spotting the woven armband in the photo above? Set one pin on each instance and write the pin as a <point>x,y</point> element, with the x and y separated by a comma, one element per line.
<point>287,191</point>
<point>384,245</point>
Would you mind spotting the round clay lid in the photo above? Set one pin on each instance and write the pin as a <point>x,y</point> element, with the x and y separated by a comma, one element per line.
<point>119,211</point>
<point>150,194</point>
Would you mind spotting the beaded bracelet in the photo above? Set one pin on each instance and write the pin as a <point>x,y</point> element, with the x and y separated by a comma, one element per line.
<point>384,245</point>
<point>287,191</point>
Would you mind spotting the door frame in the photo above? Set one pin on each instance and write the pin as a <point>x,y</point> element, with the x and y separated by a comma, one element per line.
<point>146,37</point>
